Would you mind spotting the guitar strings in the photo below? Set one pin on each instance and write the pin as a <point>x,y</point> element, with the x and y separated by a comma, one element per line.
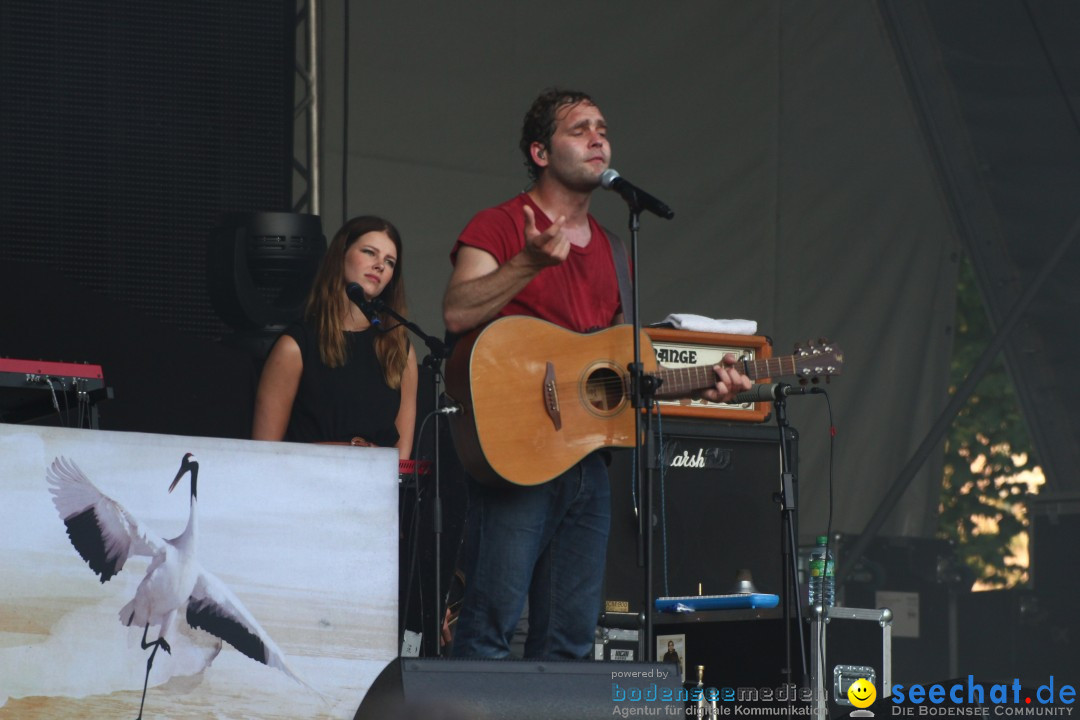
<point>673,381</point>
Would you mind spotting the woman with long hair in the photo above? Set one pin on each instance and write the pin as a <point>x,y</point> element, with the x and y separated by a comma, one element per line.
<point>333,377</point>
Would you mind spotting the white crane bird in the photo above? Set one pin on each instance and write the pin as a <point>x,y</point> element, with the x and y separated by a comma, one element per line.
<point>106,535</point>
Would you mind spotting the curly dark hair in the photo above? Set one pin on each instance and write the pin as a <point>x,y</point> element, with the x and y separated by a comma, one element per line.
<point>540,121</point>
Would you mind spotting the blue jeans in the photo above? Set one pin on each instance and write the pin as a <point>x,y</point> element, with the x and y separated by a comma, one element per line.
<point>547,543</point>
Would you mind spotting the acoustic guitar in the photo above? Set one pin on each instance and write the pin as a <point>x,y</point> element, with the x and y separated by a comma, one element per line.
<point>537,398</point>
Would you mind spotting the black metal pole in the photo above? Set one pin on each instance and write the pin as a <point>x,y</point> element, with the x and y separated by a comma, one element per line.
<point>436,503</point>
<point>642,392</point>
<point>438,351</point>
<point>642,395</point>
<point>790,551</point>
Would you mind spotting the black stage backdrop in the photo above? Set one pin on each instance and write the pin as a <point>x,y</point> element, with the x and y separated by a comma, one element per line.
<point>129,128</point>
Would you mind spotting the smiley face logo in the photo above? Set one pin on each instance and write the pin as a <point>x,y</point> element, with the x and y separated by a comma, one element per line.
<point>862,693</point>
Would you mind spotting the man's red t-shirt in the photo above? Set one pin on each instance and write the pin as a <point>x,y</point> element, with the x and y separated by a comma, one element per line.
<point>580,294</point>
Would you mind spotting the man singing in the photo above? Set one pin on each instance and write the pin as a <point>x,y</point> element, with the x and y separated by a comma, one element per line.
<point>541,254</point>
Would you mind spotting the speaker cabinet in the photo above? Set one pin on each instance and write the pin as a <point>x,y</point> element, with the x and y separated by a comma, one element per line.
<point>714,513</point>
<point>1054,537</point>
<point>1017,633</point>
<point>519,690</point>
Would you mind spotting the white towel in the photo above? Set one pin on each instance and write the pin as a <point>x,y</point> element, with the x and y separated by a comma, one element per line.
<point>700,323</point>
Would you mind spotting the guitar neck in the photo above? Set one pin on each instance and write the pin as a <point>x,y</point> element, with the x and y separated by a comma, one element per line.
<point>679,382</point>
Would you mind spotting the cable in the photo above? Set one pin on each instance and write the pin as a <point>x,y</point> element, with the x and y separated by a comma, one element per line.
<point>413,534</point>
<point>67,406</point>
<point>663,497</point>
<point>828,538</point>
<point>55,401</point>
<point>832,446</point>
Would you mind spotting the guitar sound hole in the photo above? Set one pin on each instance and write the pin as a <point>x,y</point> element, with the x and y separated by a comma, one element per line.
<point>604,390</point>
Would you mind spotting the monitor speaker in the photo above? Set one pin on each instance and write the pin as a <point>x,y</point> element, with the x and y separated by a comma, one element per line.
<point>439,689</point>
<point>715,513</point>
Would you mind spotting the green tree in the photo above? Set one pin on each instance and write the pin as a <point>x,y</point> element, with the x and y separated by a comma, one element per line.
<point>983,494</point>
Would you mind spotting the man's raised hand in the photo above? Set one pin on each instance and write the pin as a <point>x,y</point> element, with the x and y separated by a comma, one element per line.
<point>547,248</point>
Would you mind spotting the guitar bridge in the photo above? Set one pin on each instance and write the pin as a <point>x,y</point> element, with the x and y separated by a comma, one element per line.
<point>551,397</point>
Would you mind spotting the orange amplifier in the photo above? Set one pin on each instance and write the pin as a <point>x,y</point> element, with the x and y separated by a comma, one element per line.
<point>684,348</point>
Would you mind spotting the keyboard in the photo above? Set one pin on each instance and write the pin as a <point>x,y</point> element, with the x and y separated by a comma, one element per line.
<point>736,601</point>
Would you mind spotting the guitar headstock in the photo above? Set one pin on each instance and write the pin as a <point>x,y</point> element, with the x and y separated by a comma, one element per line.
<point>816,360</point>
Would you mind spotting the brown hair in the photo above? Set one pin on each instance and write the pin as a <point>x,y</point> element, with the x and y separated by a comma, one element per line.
<point>327,301</point>
<point>539,122</point>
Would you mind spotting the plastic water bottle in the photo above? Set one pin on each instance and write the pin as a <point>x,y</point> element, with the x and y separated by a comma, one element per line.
<point>822,575</point>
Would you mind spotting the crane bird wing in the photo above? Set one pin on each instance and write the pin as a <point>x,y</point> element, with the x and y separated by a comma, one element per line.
<point>102,531</point>
<point>214,608</point>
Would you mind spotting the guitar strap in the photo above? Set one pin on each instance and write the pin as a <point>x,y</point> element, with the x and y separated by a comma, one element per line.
<point>622,273</point>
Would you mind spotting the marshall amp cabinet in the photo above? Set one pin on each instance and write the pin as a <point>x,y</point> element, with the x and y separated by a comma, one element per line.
<point>714,512</point>
<point>683,348</point>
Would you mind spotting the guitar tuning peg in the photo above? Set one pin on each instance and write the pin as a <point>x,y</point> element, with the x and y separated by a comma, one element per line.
<point>802,381</point>
<point>815,380</point>
<point>828,379</point>
<point>798,347</point>
<point>823,341</point>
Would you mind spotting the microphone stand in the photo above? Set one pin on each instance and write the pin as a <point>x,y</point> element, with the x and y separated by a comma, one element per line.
<point>437,352</point>
<point>789,512</point>
<point>643,393</point>
<point>643,389</point>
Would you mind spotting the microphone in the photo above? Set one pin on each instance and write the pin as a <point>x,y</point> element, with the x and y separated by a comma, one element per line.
<point>368,307</point>
<point>767,392</point>
<point>635,196</point>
